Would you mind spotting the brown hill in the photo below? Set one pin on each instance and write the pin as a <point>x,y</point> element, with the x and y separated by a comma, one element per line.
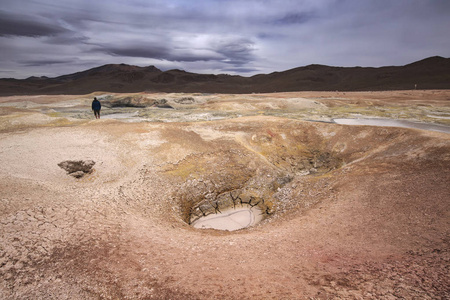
<point>430,73</point>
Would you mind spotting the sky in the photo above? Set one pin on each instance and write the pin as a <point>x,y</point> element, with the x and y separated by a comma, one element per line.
<point>244,37</point>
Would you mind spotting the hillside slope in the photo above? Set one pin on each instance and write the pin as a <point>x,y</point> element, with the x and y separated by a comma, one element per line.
<point>430,73</point>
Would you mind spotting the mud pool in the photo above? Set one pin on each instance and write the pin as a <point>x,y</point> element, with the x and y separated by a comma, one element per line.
<point>231,219</point>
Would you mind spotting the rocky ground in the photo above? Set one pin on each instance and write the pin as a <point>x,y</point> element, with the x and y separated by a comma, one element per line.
<point>100,209</point>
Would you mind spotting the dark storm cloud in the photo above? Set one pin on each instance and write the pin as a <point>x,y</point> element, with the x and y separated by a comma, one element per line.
<point>66,38</point>
<point>229,50</point>
<point>43,62</point>
<point>26,25</point>
<point>294,18</point>
<point>137,51</point>
<point>190,56</point>
<point>155,52</point>
<point>237,52</point>
<point>219,35</point>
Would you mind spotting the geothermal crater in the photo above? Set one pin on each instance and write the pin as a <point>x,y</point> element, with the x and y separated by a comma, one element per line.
<point>245,179</point>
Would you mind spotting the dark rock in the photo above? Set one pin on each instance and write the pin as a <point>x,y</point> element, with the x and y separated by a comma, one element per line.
<point>129,101</point>
<point>185,100</point>
<point>77,168</point>
<point>164,106</point>
<point>162,103</point>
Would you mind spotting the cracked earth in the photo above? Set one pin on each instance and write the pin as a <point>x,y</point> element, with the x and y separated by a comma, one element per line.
<point>353,212</point>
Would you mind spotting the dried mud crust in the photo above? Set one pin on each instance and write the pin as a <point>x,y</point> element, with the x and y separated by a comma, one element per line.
<point>421,275</point>
<point>371,221</point>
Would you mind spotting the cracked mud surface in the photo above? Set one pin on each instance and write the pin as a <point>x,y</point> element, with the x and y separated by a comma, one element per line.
<point>356,212</point>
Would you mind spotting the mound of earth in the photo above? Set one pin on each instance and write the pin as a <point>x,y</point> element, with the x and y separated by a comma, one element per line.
<point>352,212</point>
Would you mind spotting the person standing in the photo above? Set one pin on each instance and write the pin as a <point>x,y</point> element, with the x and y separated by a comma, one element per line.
<point>96,106</point>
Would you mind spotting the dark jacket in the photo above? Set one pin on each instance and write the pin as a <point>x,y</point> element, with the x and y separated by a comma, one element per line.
<point>96,105</point>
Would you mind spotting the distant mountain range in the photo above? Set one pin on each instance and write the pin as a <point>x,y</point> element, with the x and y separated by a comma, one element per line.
<point>429,73</point>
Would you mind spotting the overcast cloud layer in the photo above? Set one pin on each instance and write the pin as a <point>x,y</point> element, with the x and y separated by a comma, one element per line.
<point>246,37</point>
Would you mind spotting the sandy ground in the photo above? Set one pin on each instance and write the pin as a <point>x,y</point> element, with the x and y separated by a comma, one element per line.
<point>356,212</point>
